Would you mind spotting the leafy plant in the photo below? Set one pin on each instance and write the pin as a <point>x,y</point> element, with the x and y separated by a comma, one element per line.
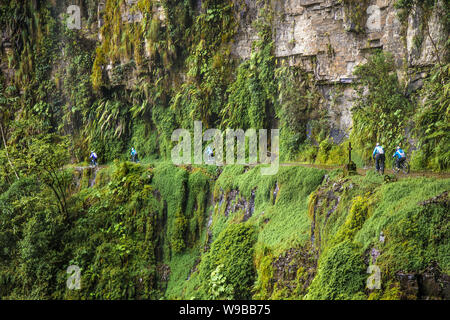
<point>219,289</point>
<point>234,249</point>
<point>433,122</point>
<point>380,112</point>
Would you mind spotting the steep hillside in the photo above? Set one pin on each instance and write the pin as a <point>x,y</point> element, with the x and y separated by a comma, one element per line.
<point>151,232</point>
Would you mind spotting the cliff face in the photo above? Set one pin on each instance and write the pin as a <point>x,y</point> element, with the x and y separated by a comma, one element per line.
<point>321,37</point>
<point>324,31</point>
<point>327,38</point>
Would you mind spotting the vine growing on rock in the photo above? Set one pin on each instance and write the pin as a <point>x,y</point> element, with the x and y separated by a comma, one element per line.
<point>300,104</point>
<point>433,122</point>
<point>356,15</point>
<point>252,96</point>
<point>381,110</point>
<point>426,8</point>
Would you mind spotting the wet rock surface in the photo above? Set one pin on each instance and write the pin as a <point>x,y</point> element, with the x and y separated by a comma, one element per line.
<point>326,197</point>
<point>163,271</point>
<point>85,176</point>
<point>295,269</point>
<point>443,198</point>
<point>430,284</point>
<point>250,207</point>
<point>234,203</point>
<point>275,192</point>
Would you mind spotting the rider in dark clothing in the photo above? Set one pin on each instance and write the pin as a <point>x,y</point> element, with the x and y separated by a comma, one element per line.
<point>378,155</point>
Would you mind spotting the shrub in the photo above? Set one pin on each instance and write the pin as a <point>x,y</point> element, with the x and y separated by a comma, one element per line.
<point>381,111</point>
<point>340,274</point>
<point>233,248</point>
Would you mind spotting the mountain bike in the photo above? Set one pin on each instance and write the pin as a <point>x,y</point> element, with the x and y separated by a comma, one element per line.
<point>404,167</point>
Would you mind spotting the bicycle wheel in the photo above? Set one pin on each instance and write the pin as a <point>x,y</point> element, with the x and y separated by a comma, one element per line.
<point>394,168</point>
<point>405,167</point>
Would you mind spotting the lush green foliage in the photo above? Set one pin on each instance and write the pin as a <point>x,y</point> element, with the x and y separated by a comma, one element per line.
<point>137,223</point>
<point>381,111</point>
<point>414,233</point>
<point>340,274</point>
<point>233,248</point>
<point>157,231</point>
<point>433,122</point>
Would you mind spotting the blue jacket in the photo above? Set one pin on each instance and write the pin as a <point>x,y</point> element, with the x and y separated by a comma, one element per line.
<point>400,154</point>
<point>377,150</point>
<point>93,156</point>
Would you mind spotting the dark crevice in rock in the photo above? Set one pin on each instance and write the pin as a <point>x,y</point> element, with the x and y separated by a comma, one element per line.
<point>443,198</point>
<point>249,206</point>
<point>431,284</point>
<point>275,192</point>
<point>287,273</point>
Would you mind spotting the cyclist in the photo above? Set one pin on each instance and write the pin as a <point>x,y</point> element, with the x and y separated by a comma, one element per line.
<point>133,154</point>
<point>378,155</point>
<point>93,158</point>
<point>400,157</point>
<point>209,154</point>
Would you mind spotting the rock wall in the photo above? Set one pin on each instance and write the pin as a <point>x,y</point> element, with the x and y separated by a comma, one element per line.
<point>320,36</point>
<point>317,35</point>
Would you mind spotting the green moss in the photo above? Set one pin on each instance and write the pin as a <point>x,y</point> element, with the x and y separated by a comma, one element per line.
<point>288,213</point>
<point>340,274</point>
<point>171,182</point>
<point>264,282</point>
<point>181,269</point>
<point>416,232</point>
<point>392,293</point>
<point>367,206</point>
<point>234,249</point>
<point>355,11</point>
<point>354,220</point>
<point>330,153</point>
<point>198,191</point>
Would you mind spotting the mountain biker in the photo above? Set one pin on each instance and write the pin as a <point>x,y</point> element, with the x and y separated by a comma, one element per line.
<point>400,157</point>
<point>209,153</point>
<point>378,155</point>
<point>133,154</point>
<point>93,158</point>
